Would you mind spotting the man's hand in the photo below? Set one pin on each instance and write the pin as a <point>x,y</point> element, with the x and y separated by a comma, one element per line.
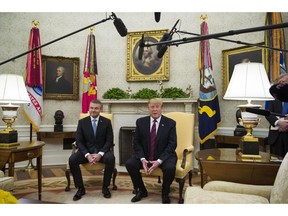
<point>145,165</point>
<point>152,165</point>
<point>94,158</point>
<point>283,126</point>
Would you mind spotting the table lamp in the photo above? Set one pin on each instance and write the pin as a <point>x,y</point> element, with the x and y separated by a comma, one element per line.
<point>249,82</point>
<point>12,93</point>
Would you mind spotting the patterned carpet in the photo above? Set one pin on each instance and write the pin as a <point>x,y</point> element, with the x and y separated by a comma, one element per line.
<point>53,189</point>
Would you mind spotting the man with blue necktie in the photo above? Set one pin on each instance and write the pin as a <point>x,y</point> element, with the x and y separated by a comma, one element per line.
<point>94,139</point>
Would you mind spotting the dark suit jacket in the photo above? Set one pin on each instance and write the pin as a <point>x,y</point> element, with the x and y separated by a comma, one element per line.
<point>276,107</point>
<point>87,142</point>
<point>166,140</point>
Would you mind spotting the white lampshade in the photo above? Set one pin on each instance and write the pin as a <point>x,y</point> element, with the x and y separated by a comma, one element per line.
<point>13,90</point>
<point>249,82</point>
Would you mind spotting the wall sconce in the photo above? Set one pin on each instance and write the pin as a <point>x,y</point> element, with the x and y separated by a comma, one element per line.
<point>12,93</point>
<point>249,82</point>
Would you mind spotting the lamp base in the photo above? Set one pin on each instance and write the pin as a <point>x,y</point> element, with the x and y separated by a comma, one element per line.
<point>8,136</point>
<point>250,145</point>
<point>9,145</point>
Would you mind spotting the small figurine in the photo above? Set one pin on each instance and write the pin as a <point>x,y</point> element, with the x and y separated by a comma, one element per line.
<point>161,88</point>
<point>58,116</point>
<point>129,91</point>
<point>189,91</point>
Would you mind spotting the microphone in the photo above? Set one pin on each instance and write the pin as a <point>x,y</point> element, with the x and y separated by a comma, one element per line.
<point>263,112</point>
<point>121,28</point>
<point>157,16</point>
<point>141,47</point>
<point>166,37</point>
<point>162,51</point>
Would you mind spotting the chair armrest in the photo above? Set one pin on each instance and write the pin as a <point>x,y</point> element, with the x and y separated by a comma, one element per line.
<point>231,187</point>
<point>185,152</point>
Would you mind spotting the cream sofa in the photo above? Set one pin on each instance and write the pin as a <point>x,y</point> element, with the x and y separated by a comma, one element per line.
<point>222,192</point>
<point>6,183</point>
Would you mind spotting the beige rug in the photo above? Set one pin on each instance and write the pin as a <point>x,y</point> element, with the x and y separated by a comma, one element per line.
<point>53,190</point>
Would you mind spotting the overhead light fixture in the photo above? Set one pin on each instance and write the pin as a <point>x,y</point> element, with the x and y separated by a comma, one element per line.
<point>12,93</point>
<point>249,82</point>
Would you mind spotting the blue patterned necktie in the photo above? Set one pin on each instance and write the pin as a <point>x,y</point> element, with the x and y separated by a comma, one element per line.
<point>94,126</point>
<point>153,140</point>
<point>285,108</point>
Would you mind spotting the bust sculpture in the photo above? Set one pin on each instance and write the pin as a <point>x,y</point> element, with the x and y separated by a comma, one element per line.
<point>58,116</point>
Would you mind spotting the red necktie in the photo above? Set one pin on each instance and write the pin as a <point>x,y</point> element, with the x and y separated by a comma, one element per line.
<point>152,140</point>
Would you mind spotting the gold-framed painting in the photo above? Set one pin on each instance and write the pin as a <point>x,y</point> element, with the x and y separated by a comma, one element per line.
<point>147,67</point>
<point>231,57</point>
<point>60,78</point>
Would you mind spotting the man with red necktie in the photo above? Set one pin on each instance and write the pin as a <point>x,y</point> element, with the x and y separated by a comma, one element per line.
<point>155,142</point>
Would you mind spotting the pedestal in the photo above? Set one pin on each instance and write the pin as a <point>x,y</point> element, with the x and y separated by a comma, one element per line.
<point>8,137</point>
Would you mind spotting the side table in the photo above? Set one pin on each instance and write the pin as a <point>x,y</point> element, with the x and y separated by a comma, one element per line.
<point>25,151</point>
<point>225,165</point>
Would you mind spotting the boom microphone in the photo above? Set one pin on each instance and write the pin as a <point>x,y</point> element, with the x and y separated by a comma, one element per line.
<point>157,16</point>
<point>141,47</point>
<point>121,28</point>
<point>263,112</point>
<point>166,37</point>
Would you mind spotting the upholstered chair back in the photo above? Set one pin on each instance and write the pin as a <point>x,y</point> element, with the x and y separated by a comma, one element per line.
<point>279,193</point>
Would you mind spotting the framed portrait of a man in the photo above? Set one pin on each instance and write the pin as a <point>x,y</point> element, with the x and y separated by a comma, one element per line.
<point>148,66</point>
<point>231,57</point>
<point>60,78</point>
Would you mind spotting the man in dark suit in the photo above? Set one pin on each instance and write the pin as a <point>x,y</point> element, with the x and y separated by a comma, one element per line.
<point>278,131</point>
<point>163,156</point>
<point>93,147</point>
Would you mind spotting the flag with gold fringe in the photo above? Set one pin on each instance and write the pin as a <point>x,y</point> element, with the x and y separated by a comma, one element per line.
<point>89,73</point>
<point>208,105</point>
<point>34,84</point>
<point>275,60</point>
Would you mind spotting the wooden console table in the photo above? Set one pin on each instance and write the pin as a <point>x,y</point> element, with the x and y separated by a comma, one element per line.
<point>25,151</point>
<point>234,141</point>
<point>64,135</point>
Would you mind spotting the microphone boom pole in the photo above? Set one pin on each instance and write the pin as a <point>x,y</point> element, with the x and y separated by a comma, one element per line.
<point>237,42</point>
<point>217,35</point>
<point>53,41</point>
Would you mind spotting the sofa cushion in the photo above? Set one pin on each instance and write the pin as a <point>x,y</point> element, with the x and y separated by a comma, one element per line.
<point>231,187</point>
<point>279,193</point>
<point>196,195</point>
<point>7,183</point>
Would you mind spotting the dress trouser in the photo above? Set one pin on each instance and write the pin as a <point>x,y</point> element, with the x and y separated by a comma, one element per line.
<point>78,158</point>
<point>133,166</point>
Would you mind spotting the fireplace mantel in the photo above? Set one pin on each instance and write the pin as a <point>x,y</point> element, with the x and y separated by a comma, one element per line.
<point>138,106</point>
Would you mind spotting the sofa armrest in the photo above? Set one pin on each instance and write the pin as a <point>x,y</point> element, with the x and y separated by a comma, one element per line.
<point>231,187</point>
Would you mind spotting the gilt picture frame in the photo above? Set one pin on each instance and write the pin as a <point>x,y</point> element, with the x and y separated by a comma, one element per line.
<point>147,67</point>
<point>231,57</point>
<point>65,87</point>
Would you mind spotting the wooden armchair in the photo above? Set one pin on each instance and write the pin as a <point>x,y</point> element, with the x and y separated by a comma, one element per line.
<point>88,167</point>
<point>184,150</point>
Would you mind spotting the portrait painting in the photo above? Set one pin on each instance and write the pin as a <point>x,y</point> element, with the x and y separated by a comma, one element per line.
<point>148,66</point>
<point>238,55</point>
<point>60,78</point>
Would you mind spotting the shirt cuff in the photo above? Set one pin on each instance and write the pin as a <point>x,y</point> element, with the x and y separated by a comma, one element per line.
<point>86,155</point>
<point>159,161</point>
<point>101,153</point>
